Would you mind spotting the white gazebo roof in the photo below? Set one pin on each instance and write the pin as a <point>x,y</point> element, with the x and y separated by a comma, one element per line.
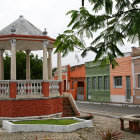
<point>22,27</point>
<point>28,36</point>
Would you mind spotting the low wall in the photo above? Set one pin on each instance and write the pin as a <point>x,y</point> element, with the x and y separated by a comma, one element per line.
<point>30,107</point>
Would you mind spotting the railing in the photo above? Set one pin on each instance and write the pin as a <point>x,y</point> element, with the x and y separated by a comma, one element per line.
<point>54,88</point>
<point>31,88</point>
<point>4,89</point>
<point>28,88</point>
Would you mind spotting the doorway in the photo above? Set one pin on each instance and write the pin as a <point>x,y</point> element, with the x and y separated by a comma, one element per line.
<point>128,88</point>
<point>80,90</point>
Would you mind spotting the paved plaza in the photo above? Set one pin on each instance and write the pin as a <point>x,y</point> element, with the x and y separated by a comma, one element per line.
<point>99,123</point>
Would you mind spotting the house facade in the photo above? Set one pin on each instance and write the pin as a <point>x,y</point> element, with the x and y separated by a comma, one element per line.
<point>121,80</point>
<point>136,74</point>
<point>74,81</point>
<point>98,82</point>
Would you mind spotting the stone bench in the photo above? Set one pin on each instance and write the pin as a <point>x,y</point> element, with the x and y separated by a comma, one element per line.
<point>133,122</point>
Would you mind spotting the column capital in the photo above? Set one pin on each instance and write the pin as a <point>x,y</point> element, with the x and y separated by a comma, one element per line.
<point>49,50</point>
<point>28,52</point>
<point>45,43</point>
<point>13,42</point>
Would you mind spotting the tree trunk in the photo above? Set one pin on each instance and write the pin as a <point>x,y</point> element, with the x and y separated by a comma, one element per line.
<point>82,2</point>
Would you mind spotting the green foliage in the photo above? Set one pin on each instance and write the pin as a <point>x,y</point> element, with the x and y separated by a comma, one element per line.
<point>36,66</point>
<point>116,20</point>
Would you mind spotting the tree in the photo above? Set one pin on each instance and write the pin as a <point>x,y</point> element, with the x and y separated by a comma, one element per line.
<point>119,21</point>
<point>36,66</point>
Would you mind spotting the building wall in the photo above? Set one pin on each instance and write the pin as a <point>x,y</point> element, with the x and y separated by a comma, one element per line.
<point>73,75</point>
<point>123,69</point>
<point>136,70</point>
<point>95,70</point>
<point>77,74</point>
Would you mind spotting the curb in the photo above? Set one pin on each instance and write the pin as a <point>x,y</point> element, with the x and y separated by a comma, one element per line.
<point>111,104</point>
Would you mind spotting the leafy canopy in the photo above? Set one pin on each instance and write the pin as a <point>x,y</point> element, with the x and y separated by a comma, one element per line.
<point>119,21</point>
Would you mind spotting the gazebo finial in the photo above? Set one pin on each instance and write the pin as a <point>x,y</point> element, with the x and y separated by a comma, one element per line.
<point>21,16</point>
<point>45,32</point>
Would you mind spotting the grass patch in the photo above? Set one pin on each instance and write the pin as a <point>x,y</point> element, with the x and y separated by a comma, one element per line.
<point>49,121</point>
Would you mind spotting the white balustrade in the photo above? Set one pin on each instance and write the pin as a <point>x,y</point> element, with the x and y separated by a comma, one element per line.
<point>29,89</point>
<point>54,88</point>
<point>4,89</point>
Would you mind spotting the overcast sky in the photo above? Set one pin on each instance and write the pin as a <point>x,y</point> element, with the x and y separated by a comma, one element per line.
<point>49,14</point>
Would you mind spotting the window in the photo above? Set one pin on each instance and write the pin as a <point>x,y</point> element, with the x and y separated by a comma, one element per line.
<point>118,82</point>
<point>106,82</point>
<point>138,80</point>
<point>94,82</point>
<point>100,82</point>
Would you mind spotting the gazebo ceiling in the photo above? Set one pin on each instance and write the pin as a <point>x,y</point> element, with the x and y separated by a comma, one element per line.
<point>27,35</point>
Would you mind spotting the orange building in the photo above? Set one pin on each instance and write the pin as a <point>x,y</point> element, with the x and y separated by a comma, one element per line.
<point>74,81</point>
<point>121,80</point>
<point>136,74</point>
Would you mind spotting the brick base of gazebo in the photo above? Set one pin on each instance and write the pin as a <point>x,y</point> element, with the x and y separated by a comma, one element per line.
<point>31,107</point>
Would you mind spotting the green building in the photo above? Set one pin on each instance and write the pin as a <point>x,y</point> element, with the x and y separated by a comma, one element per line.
<point>98,82</point>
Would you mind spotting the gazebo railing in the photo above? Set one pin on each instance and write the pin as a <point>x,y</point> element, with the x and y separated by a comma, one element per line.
<point>54,88</point>
<point>4,89</point>
<point>29,88</point>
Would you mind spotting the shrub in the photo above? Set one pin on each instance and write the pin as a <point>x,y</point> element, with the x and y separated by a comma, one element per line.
<point>110,134</point>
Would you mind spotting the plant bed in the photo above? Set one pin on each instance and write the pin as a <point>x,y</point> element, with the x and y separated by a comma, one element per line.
<point>48,121</point>
<point>66,124</point>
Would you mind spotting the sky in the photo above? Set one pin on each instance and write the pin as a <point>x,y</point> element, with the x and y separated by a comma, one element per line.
<point>49,14</point>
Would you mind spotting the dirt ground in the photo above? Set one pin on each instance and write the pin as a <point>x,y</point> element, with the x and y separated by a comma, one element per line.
<point>99,123</point>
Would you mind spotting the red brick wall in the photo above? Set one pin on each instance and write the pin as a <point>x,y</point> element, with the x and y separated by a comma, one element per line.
<point>34,107</point>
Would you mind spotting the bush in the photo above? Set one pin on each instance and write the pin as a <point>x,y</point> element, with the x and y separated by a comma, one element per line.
<point>110,134</point>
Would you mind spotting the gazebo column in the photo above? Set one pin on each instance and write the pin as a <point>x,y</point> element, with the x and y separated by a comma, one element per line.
<point>13,59</point>
<point>28,73</point>
<point>45,69</point>
<point>1,65</point>
<point>50,63</point>
<point>45,84</point>
<point>59,69</point>
<point>13,84</point>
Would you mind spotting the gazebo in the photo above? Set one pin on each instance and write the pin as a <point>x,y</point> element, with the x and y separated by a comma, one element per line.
<point>21,35</point>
